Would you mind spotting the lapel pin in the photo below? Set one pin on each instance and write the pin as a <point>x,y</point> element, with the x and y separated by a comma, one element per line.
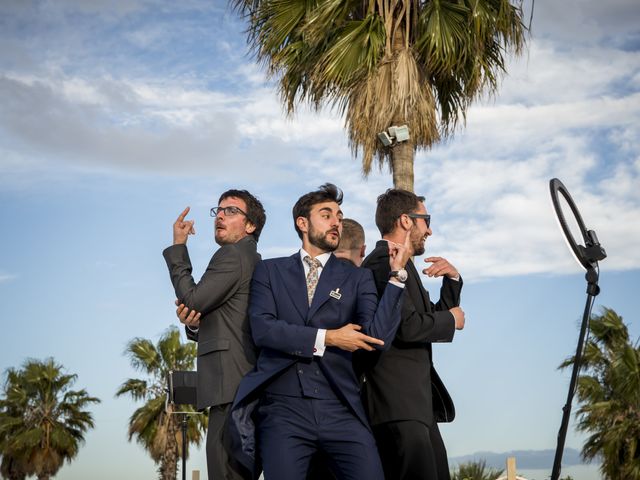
<point>335,294</point>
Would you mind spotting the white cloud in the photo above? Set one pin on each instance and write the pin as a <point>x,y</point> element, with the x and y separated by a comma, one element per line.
<point>7,277</point>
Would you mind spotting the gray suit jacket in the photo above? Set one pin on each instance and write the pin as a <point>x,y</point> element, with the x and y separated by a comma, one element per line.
<point>225,349</point>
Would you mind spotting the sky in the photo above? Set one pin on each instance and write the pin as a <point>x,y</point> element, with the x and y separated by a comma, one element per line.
<point>116,114</point>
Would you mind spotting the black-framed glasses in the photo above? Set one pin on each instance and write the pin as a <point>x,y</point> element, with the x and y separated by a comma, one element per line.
<point>425,216</point>
<point>229,211</point>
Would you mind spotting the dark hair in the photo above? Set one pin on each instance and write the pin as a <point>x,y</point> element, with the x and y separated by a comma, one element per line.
<point>352,235</point>
<point>255,210</point>
<point>391,205</point>
<point>325,193</point>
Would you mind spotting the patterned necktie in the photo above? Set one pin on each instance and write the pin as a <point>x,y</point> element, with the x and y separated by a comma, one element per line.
<point>312,276</point>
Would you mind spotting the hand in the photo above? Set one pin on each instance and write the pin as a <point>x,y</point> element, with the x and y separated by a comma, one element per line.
<point>182,229</point>
<point>350,339</point>
<point>399,254</point>
<point>458,315</point>
<point>189,318</point>
<point>440,267</point>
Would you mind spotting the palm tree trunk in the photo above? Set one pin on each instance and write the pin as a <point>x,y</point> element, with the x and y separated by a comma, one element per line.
<point>402,165</point>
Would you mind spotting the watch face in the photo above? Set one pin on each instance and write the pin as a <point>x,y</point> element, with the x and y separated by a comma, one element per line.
<point>402,275</point>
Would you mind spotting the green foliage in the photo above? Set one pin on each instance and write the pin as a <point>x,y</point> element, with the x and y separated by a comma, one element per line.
<point>386,62</point>
<point>155,426</point>
<point>608,393</point>
<point>475,470</point>
<point>42,420</point>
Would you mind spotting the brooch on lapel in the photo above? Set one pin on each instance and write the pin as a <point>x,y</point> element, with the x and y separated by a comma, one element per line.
<point>335,294</point>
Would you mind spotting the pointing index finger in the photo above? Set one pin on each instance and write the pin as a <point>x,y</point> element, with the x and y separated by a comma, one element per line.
<point>183,214</point>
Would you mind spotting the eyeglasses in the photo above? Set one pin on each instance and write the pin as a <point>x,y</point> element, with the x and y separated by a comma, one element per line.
<point>427,218</point>
<point>228,211</point>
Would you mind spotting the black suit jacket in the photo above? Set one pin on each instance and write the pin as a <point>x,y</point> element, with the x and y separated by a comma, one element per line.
<point>402,383</point>
<point>225,348</point>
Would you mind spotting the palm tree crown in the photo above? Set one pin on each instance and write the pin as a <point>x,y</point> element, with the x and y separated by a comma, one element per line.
<point>154,424</point>
<point>609,394</point>
<point>42,421</point>
<point>386,62</point>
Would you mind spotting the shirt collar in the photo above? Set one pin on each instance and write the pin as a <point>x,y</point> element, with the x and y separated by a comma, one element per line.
<point>322,258</point>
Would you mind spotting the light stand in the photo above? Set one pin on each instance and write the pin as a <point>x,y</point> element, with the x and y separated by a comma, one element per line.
<point>182,390</point>
<point>588,257</point>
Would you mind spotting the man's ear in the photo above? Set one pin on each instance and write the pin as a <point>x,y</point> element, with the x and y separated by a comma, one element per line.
<point>303,224</point>
<point>249,228</point>
<point>404,222</point>
<point>363,251</point>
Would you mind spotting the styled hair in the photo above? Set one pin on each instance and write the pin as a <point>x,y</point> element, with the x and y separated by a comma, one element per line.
<point>255,210</point>
<point>391,205</point>
<point>352,235</point>
<point>325,193</point>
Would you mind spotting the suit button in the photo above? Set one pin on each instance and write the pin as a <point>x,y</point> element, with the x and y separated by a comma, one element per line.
<point>317,372</point>
<point>315,390</point>
<point>300,371</point>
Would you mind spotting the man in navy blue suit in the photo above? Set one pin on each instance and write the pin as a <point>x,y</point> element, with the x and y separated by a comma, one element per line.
<point>308,313</point>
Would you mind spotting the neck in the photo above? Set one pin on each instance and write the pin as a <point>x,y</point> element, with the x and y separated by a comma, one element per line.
<point>397,236</point>
<point>312,249</point>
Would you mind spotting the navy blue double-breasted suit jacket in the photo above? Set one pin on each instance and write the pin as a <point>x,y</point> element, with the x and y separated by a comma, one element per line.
<point>284,328</point>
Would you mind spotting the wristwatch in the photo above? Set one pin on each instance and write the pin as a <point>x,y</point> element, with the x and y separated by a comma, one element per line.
<point>401,275</point>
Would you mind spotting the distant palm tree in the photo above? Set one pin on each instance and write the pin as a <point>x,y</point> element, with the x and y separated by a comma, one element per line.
<point>475,470</point>
<point>608,391</point>
<point>155,427</point>
<point>386,62</point>
<point>42,421</point>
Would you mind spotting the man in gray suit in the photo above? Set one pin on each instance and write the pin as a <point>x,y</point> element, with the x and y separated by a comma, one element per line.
<point>214,311</point>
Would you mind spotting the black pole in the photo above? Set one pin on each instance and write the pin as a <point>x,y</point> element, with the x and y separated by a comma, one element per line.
<point>184,446</point>
<point>592,290</point>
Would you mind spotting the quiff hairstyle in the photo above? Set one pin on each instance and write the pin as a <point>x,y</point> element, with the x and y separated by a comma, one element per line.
<point>325,193</point>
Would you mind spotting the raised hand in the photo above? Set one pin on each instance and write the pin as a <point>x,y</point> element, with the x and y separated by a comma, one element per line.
<point>190,318</point>
<point>399,253</point>
<point>350,339</point>
<point>440,267</point>
<point>182,228</point>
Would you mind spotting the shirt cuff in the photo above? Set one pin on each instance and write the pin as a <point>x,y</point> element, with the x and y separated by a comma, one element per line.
<point>193,329</point>
<point>318,348</point>
<point>456,279</point>
<point>395,282</point>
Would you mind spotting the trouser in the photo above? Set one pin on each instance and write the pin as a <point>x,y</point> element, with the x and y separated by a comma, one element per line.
<point>292,429</point>
<point>410,450</point>
<point>220,465</point>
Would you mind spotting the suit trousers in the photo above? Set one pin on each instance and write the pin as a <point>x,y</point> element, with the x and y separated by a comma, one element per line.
<point>410,450</point>
<point>220,465</point>
<point>292,429</point>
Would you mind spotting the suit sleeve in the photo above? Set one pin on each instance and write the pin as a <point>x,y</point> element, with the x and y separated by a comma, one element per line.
<point>379,319</point>
<point>218,283</point>
<point>267,329</point>
<point>421,327</point>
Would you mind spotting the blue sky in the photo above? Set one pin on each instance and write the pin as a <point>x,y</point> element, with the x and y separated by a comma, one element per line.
<point>117,114</point>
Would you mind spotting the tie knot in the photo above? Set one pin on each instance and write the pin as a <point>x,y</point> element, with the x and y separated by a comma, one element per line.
<point>313,263</point>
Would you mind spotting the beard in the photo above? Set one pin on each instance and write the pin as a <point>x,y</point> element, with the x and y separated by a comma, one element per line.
<point>417,242</point>
<point>322,240</point>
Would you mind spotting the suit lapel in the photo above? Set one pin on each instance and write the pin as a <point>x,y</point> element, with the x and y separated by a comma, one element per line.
<point>332,276</point>
<point>417,284</point>
<point>296,283</point>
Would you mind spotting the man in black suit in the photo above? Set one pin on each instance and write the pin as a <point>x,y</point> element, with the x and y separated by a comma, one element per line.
<point>402,392</point>
<point>214,311</point>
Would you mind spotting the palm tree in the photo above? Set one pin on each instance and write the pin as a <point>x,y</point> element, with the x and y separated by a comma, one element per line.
<point>42,420</point>
<point>608,392</point>
<point>386,63</point>
<point>154,424</point>
<point>475,470</point>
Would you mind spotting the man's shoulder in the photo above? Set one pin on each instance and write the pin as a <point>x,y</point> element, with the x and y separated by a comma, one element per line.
<point>378,256</point>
